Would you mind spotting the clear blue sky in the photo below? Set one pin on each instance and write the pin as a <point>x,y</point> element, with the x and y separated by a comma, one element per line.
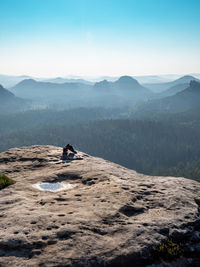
<point>99,37</point>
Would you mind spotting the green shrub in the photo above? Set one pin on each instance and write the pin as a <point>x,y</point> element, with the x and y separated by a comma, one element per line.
<point>5,181</point>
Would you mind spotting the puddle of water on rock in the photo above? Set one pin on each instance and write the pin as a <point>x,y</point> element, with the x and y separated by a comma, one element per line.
<point>52,187</point>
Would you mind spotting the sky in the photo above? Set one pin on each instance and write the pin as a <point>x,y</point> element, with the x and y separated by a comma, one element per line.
<point>51,38</point>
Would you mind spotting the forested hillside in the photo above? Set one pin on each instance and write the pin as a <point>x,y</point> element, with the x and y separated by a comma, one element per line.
<point>147,146</point>
<point>31,119</point>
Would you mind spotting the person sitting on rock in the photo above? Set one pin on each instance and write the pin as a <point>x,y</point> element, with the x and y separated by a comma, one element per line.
<point>69,147</point>
<point>68,152</point>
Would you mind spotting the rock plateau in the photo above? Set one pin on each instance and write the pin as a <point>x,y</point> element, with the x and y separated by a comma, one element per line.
<point>110,216</point>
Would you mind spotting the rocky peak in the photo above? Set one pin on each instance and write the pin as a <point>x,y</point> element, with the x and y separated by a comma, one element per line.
<point>127,79</point>
<point>27,82</point>
<point>108,216</point>
<point>102,84</point>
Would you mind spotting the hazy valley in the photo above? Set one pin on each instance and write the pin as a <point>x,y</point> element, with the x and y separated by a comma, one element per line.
<point>122,121</point>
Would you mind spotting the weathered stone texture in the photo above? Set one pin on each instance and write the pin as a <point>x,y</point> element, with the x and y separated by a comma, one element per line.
<point>113,216</point>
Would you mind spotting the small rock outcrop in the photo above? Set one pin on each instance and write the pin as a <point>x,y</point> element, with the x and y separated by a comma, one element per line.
<point>111,216</point>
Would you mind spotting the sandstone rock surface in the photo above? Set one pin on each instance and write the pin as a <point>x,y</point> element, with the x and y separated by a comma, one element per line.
<point>111,216</point>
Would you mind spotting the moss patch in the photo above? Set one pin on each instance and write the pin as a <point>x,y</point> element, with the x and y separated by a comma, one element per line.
<point>168,249</point>
<point>5,181</point>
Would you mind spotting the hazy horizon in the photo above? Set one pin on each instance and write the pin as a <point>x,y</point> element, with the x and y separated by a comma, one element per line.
<point>101,38</point>
<point>74,76</point>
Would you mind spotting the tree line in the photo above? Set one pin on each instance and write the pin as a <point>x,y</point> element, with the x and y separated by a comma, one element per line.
<point>150,147</point>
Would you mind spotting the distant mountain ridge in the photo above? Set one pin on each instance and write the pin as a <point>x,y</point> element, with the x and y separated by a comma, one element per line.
<point>161,87</point>
<point>32,88</point>
<point>9,81</point>
<point>64,80</point>
<point>123,83</point>
<point>125,91</point>
<point>121,92</point>
<point>180,102</point>
<point>173,90</point>
<point>9,102</point>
